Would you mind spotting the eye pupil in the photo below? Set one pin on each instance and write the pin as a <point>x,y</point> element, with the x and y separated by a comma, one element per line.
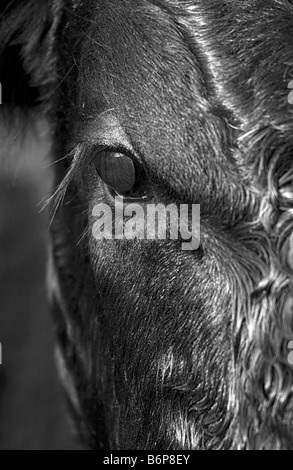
<point>117,171</point>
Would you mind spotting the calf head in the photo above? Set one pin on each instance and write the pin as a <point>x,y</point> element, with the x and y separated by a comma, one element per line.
<point>161,348</point>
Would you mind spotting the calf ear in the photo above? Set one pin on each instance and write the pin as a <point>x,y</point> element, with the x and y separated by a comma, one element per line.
<point>27,51</point>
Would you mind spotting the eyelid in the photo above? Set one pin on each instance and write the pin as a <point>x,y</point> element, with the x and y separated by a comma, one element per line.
<point>119,148</point>
<point>107,135</point>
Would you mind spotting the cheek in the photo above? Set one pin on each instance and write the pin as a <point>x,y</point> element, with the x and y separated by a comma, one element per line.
<point>153,282</point>
<point>154,296</point>
<point>156,300</point>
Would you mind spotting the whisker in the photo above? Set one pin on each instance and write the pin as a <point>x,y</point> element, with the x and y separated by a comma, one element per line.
<point>84,235</point>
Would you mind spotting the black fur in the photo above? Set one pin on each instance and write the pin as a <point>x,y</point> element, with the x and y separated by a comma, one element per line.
<point>160,348</point>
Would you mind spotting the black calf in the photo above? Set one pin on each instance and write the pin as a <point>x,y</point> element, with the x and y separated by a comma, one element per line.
<point>161,348</point>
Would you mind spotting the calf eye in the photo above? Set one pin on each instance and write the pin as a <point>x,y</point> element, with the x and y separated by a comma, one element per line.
<point>120,173</point>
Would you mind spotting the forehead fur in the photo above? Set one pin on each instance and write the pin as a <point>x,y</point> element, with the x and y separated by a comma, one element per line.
<point>137,62</point>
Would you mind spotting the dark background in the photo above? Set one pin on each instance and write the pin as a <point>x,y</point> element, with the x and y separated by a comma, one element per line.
<point>32,404</point>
